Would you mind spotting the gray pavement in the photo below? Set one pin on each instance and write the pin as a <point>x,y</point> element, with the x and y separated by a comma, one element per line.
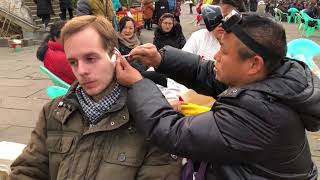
<point>23,86</point>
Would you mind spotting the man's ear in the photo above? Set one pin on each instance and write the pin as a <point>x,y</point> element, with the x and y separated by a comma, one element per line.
<point>256,65</point>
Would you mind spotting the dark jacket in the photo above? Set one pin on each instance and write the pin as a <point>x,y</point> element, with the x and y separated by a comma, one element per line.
<point>252,132</point>
<point>44,7</point>
<point>160,7</point>
<point>64,146</point>
<point>135,63</point>
<point>174,38</point>
<point>54,59</point>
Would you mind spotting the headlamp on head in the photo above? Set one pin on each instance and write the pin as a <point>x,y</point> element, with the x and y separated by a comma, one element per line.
<point>212,16</point>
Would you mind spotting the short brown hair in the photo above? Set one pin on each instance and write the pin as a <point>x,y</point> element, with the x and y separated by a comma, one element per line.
<point>102,25</point>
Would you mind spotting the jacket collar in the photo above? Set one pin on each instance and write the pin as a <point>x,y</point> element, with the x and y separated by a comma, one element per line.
<point>110,120</point>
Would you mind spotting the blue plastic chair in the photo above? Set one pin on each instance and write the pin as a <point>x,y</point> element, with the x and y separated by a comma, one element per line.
<point>304,50</point>
<point>56,91</point>
<point>55,79</point>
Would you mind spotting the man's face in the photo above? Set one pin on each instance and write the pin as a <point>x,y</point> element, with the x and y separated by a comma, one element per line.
<point>89,61</point>
<point>218,32</point>
<point>229,67</point>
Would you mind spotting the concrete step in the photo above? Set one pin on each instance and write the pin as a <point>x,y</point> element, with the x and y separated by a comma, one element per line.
<point>56,10</point>
<point>52,19</point>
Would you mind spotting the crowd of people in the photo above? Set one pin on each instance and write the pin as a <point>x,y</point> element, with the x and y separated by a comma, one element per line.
<point>117,120</point>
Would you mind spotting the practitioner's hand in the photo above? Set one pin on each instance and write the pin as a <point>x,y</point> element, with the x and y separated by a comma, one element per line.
<point>125,73</point>
<point>147,54</point>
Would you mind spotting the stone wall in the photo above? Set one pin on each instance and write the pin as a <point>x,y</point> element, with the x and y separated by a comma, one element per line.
<point>17,7</point>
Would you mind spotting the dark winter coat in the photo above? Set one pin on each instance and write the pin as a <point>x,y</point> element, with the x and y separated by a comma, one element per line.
<point>174,38</point>
<point>64,146</point>
<point>65,4</point>
<point>253,132</point>
<point>55,60</point>
<point>160,7</point>
<point>135,63</point>
<point>44,7</point>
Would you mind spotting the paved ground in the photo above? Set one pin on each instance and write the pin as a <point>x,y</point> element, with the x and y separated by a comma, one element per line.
<point>22,87</point>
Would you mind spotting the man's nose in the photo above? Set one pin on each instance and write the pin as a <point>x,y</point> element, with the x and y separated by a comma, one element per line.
<point>217,56</point>
<point>82,68</point>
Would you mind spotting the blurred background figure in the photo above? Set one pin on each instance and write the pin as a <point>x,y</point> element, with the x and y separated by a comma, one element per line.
<point>147,9</point>
<point>253,5</point>
<point>168,33</point>
<point>96,8</point>
<point>128,40</point>
<point>44,11</point>
<point>160,7</point>
<point>65,5</point>
<point>51,53</point>
<point>177,11</point>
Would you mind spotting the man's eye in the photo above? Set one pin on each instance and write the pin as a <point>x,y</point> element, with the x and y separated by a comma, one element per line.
<point>91,59</point>
<point>73,63</point>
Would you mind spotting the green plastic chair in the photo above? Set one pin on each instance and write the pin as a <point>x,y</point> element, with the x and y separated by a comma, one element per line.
<point>304,50</point>
<point>278,14</point>
<point>55,80</point>
<point>292,14</point>
<point>308,28</point>
<point>299,20</point>
<point>56,91</point>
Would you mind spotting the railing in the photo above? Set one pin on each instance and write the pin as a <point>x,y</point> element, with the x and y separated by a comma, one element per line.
<point>11,17</point>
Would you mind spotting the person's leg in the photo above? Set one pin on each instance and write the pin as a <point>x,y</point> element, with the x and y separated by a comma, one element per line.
<point>63,14</point>
<point>46,21</point>
<point>70,10</point>
<point>149,24</point>
<point>190,5</point>
<point>145,23</point>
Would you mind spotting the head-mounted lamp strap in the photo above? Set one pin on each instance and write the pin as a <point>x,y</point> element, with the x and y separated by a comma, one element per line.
<point>251,43</point>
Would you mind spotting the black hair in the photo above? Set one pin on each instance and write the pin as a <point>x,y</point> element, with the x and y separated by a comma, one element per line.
<point>238,4</point>
<point>55,31</point>
<point>123,21</point>
<point>268,33</point>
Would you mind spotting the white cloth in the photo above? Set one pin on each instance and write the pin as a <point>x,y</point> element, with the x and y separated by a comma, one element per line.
<point>202,43</point>
<point>173,90</point>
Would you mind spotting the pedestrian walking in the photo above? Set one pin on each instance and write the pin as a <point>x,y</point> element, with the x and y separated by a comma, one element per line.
<point>66,5</point>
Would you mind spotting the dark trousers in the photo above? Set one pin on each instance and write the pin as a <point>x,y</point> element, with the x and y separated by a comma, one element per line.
<point>45,19</point>
<point>147,24</point>
<point>63,15</point>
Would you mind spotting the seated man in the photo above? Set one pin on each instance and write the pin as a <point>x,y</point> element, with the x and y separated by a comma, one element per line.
<point>264,104</point>
<point>89,133</point>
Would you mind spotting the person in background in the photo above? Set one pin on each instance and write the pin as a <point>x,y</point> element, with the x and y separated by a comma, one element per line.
<point>128,40</point>
<point>64,6</point>
<point>168,33</point>
<point>160,7</point>
<point>44,11</point>
<point>95,7</point>
<point>51,53</point>
<point>147,9</point>
<point>206,43</point>
<point>177,11</point>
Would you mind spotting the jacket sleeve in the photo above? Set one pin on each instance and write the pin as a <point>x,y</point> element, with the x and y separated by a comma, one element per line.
<point>189,70</point>
<point>83,8</point>
<point>32,164</point>
<point>226,134</point>
<point>160,165</point>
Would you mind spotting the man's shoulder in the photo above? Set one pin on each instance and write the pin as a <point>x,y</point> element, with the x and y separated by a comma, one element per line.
<point>201,33</point>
